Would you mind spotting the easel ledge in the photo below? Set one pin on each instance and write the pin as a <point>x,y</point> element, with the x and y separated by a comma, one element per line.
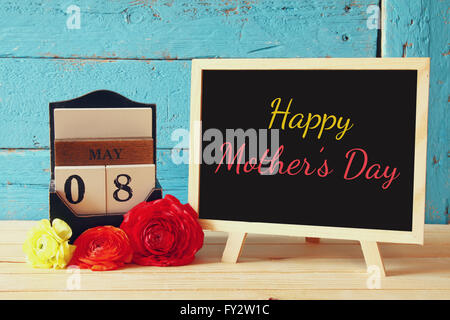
<point>370,249</point>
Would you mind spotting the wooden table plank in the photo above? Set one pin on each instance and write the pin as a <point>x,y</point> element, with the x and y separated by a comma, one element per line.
<point>147,280</point>
<point>14,231</point>
<point>212,265</point>
<point>13,252</point>
<point>235,294</point>
<point>270,267</point>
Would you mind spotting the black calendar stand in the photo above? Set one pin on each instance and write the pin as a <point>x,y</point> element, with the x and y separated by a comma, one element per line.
<point>58,207</point>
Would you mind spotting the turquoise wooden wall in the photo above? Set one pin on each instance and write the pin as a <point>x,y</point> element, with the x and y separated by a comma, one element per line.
<point>420,28</point>
<point>142,49</point>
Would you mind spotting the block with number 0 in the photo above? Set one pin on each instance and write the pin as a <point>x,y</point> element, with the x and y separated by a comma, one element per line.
<point>128,185</point>
<point>82,188</point>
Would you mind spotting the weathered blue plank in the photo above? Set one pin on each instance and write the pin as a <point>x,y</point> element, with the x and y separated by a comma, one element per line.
<point>25,175</point>
<point>185,29</point>
<point>142,30</point>
<point>24,180</point>
<point>28,85</point>
<point>420,29</point>
<point>168,30</point>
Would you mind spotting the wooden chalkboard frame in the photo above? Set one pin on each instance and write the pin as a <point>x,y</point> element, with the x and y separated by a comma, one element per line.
<point>368,237</point>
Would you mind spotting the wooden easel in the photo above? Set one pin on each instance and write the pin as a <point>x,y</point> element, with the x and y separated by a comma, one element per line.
<point>235,243</point>
<point>367,236</point>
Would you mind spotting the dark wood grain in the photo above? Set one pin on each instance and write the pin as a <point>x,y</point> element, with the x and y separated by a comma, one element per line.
<point>103,152</point>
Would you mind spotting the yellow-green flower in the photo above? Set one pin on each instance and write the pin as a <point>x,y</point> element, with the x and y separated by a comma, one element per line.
<point>47,246</point>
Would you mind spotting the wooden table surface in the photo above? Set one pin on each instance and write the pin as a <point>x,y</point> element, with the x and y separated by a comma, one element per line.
<point>270,267</point>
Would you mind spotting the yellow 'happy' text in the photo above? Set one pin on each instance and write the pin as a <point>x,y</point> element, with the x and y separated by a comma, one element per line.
<point>310,121</point>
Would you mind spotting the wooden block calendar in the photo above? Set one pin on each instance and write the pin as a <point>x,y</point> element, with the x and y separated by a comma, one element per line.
<point>103,159</point>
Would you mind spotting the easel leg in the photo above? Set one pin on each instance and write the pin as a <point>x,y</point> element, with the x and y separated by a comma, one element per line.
<point>233,247</point>
<point>372,255</point>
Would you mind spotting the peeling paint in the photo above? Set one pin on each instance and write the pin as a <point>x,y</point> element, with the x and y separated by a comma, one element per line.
<point>166,55</point>
<point>435,160</point>
<point>228,11</point>
<point>405,46</point>
<point>142,3</point>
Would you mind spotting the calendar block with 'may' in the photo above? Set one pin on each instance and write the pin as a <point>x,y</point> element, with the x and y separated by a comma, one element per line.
<point>88,152</point>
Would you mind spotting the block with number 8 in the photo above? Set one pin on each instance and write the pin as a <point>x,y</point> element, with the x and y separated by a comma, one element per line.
<point>128,185</point>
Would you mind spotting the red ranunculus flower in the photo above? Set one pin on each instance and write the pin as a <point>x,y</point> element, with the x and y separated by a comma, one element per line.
<point>102,248</point>
<point>163,232</point>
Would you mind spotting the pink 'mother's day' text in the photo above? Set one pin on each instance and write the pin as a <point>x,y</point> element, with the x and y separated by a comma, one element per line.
<point>275,166</point>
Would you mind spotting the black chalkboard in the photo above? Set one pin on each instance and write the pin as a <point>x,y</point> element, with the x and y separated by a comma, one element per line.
<point>381,106</point>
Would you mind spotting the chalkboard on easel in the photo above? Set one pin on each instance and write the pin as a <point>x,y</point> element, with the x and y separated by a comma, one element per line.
<point>315,147</point>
